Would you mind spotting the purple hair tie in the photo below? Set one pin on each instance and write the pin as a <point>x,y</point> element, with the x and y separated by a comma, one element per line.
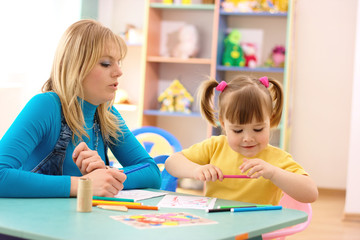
<point>264,81</point>
<point>221,86</point>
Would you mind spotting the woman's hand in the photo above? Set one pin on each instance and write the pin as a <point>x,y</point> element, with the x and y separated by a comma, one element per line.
<point>258,168</point>
<point>86,159</point>
<point>208,172</point>
<point>105,182</point>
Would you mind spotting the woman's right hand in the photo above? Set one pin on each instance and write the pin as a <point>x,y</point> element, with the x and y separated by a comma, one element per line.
<point>208,172</point>
<point>105,182</point>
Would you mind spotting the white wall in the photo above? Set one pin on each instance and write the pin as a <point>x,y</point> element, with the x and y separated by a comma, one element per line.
<point>30,31</point>
<point>353,178</point>
<point>323,79</point>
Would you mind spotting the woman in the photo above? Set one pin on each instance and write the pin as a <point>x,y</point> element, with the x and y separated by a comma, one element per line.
<point>64,132</point>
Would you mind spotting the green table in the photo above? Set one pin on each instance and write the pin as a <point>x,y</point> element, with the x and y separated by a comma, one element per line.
<point>57,218</point>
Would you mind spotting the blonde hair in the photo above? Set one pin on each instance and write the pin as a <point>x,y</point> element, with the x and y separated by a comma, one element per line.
<point>243,99</point>
<point>80,48</point>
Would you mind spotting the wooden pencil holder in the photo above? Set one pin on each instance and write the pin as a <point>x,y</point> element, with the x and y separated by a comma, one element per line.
<point>84,195</point>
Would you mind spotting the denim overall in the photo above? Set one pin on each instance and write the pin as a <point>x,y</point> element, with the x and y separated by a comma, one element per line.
<point>53,163</point>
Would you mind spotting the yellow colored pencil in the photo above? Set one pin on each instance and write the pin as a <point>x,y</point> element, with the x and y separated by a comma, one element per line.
<point>102,202</point>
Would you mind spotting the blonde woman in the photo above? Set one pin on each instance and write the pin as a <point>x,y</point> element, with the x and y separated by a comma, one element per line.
<point>64,132</point>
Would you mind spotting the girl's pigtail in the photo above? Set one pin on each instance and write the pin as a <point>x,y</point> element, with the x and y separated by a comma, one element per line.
<point>277,95</point>
<point>205,94</point>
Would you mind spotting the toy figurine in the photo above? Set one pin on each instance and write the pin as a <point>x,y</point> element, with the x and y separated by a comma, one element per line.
<point>176,98</point>
<point>277,57</point>
<point>188,42</point>
<point>250,54</point>
<point>233,54</point>
<point>121,97</point>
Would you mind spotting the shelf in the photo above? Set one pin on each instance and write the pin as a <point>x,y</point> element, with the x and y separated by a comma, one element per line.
<point>183,6</point>
<point>257,14</point>
<point>171,114</point>
<point>160,59</point>
<point>247,69</point>
<point>129,44</point>
<point>125,107</point>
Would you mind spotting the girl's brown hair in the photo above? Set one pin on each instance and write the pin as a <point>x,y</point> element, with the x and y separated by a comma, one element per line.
<point>243,99</point>
<point>80,48</point>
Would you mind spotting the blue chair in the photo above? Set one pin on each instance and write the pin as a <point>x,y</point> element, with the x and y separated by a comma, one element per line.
<point>159,144</point>
<point>168,182</point>
<point>157,141</point>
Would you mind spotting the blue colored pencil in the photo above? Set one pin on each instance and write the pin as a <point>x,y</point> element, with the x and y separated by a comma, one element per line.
<point>137,168</point>
<point>256,209</point>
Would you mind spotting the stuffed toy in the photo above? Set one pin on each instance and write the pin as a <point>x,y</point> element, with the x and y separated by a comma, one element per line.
<point>250,54</point>
<point>188,42</point>
<point>233,54</point>
<point>277,57</point>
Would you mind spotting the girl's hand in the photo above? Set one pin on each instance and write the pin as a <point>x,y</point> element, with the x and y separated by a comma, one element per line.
<point>107,182</point>
<point>258,168</point>
<point>208,172</point>
<point>86,159</point>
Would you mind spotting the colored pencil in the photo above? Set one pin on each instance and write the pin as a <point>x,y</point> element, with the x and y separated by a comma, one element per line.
<point>242,206</point>
<point>114,208</point>
<point>144,207</point>
<point>218,210</point>
<point>137,168</point>
<point>236,176</point>
<point>256,209</point>
<point>102,202</point>
<point>129,205</point>
<point>113,199</point>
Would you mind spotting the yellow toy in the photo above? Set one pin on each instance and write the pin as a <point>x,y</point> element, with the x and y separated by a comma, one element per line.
<point>176,98</point>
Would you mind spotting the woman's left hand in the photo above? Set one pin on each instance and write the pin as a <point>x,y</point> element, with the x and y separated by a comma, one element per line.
<point>258,168</point>
<point>86,159</point>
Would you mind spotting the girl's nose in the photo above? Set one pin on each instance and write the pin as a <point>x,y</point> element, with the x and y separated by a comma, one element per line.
<point>247,137</point>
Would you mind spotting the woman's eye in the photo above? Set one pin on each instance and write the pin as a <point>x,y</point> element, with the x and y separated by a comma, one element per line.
<point>258,129</point>
<point>105,64</point>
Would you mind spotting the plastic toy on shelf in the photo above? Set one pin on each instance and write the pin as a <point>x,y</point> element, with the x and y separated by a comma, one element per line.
<point>176,98</point>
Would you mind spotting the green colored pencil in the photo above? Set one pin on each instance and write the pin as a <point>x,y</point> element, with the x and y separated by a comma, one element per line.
<point>113,199</point>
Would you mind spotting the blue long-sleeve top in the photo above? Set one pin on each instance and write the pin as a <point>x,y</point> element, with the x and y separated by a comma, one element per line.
<point>33,135</point>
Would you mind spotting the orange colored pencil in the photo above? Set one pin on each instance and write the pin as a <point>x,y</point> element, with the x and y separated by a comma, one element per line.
<point>143,207</point>
<point>103,202</point>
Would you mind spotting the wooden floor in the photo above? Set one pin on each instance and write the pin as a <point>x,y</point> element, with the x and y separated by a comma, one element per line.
<point>327,221</point>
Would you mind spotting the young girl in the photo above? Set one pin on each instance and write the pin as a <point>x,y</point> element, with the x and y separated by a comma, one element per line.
<point>248,109</point>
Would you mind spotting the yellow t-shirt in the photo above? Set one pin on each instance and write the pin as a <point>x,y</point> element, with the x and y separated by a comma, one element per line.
<point>216,151</point>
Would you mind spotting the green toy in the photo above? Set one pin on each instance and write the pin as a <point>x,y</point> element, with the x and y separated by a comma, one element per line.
<point>233,53</point>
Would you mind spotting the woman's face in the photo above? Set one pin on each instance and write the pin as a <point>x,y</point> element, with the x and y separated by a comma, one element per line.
<point>101,83</point>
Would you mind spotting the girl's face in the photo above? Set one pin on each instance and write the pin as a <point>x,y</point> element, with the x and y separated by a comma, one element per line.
<point>100,84</point>
<point>247,139</point>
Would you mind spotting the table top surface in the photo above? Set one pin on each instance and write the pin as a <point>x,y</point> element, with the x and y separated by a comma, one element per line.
<point>57,218</point>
